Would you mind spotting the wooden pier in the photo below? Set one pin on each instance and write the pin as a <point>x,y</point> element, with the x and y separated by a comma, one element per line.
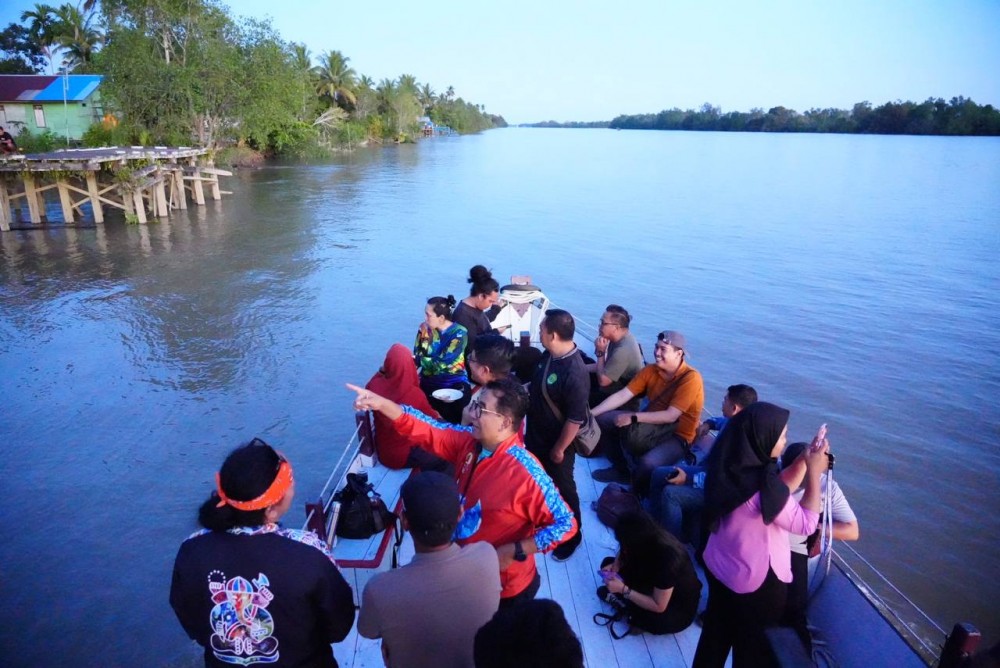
<point>141,181</point>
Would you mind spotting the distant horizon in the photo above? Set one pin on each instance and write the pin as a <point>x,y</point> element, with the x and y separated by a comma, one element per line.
<point>565,59</point>
<point>764,109</point>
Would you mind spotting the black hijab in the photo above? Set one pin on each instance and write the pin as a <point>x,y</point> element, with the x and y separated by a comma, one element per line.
<point>740,464</point>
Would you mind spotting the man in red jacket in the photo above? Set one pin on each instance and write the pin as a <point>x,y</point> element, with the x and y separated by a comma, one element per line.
<point>508,499</point>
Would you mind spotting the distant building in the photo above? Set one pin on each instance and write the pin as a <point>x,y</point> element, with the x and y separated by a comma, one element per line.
<point>35,103</point>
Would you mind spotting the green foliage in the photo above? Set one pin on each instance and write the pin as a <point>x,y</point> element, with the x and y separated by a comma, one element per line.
<point>184,72</point>
<point>42,142</point>
<point>463,117</point>
<point>959,116</point>
<point>100,134</point>
<point>19,52</point>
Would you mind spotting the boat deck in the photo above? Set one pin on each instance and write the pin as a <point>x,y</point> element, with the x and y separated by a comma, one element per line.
<point>572,584</point>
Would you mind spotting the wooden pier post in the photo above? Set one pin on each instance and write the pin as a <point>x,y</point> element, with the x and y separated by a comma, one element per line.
<point>5,214</point>
<point>34,214</point>
<point>199,191</point>
<point>140,205</point>
<point>95,197</point>
<point>160,192</point>
<point>65,201</point>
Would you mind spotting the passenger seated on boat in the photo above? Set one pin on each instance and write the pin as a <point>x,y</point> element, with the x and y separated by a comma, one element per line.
<point>427,612</point>
<point>806,549</point>
<point>440,354</point>
<point>250,591</point>
<point>619,357</point>
<point>661,434</point>
<point>653,575</point>
<point>508,499</point>
<point>397,380</point>
<point>677,493</point>
<point>750,512</point>
<point>471,312</point>
<point>535,634</point>
<point>490,357</point>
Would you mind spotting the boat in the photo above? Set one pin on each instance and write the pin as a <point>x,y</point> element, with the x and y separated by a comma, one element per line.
<point>852,625</point>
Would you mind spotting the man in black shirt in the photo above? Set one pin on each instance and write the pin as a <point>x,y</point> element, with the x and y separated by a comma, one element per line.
<point>7,144</point>
<point>558,406</point>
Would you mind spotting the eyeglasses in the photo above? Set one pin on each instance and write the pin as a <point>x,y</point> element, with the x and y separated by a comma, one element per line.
<point>476,409</point>
<point>605,323</point>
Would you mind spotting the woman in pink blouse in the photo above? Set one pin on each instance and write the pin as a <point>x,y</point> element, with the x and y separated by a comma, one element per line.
<point>749,511</point>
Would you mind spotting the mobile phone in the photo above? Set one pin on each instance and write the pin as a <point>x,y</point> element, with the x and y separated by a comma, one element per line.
<point>607,575</point>
<point>820,436</point>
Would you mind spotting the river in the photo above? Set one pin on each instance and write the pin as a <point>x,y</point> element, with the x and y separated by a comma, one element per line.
<point>853,279</point>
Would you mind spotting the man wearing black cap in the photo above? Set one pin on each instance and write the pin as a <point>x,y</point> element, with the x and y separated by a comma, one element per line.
<point>427,612</point>
<point>661,434</point>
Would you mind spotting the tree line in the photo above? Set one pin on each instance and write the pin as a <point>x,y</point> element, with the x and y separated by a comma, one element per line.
<point>935,116</point>
<point>178,72</point>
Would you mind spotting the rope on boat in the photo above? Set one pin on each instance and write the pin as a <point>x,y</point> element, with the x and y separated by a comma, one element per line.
<point>336,467</point>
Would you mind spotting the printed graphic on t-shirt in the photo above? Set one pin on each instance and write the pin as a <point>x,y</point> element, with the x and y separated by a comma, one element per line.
<point>242,628</point>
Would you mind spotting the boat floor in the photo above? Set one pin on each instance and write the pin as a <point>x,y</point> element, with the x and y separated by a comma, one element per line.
<point>572,583</point>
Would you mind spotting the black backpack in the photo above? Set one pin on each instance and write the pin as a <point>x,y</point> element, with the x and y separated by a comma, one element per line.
<point>362,511</point>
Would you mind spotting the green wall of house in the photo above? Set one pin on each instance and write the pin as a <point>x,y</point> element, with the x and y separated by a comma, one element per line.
<point>73,119</point>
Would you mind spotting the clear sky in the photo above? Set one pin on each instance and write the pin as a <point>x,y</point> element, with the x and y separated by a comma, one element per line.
<point>588,60</point>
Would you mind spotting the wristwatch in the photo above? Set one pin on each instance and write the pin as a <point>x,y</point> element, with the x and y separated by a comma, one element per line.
<point>519,554</point>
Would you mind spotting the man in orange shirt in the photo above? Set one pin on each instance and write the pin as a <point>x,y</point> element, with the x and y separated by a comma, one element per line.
<point>676,396</point>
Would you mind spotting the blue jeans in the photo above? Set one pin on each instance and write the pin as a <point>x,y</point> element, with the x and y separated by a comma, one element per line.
<point>677,507</point>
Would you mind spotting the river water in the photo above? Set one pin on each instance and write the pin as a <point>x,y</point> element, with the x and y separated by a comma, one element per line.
<point>853,279</point>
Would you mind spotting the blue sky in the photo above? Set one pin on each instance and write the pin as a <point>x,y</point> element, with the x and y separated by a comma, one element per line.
<point>587,60</point>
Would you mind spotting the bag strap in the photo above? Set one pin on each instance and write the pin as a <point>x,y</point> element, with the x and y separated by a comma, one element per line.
<point>397,531</point>
<point>670,386</point>
<point>548,399</point>
<point>608,621</point>
<point>545,391</point>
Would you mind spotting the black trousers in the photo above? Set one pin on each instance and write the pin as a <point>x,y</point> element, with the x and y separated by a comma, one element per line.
<point>562,476</point>
<point>737,622</point>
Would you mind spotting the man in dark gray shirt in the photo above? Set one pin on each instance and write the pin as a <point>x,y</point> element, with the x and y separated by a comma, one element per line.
<point>619,357</point>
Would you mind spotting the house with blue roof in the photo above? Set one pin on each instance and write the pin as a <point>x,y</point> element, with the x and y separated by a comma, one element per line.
<point>34,103</point>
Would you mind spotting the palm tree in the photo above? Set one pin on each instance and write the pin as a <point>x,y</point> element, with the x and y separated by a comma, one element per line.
<point>427,97</point>
<point>450,93</point>
<point>408,83</point>
<point>366,99</point>
<point>335,80</point>
<point>74,32</point>
<point>40,26</point>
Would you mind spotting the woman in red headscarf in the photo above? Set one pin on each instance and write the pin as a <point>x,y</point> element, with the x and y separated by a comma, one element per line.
<point>398,381</point>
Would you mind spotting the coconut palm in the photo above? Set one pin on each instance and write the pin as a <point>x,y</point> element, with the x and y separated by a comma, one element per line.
<point>335,80</point>
<point>408,84</point>
<point>74,32</point>
<point>40,23</point>
<point>427,97</point>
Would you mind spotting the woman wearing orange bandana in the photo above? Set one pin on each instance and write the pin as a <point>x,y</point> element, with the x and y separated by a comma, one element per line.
<point>250,591</point>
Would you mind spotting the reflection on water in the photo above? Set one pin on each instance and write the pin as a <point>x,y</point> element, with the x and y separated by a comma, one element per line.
<point>850,278</point>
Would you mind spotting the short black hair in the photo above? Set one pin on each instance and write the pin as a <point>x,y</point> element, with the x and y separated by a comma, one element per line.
<point>512,399</point>
<point>792,452</point>
<point>494,351</point>
<point>619,315</point>
<point>560,323</point>
<point>742,395</point>
<point>533,634</point>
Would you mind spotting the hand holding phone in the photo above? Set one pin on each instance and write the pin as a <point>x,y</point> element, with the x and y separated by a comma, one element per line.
<point>607,575</point>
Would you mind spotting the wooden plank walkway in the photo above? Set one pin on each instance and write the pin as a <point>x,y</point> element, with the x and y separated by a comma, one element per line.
<point>573,584</point>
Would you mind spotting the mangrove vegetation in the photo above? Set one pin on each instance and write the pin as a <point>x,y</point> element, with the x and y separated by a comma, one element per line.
<point>179,72</point>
